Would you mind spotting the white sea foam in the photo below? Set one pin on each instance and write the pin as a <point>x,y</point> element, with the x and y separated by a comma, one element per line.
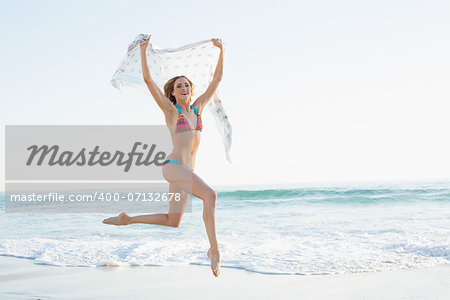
<point>336,252</point>
<point>274,237</point>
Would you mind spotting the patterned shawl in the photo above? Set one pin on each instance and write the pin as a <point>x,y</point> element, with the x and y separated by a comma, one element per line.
<point>196,61</point>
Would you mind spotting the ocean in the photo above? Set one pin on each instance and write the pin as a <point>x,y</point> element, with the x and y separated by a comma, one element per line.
<point>276,230</point>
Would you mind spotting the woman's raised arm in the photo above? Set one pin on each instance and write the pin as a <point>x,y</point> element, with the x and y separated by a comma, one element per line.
<point>203,99</point>
<point>163,102</point>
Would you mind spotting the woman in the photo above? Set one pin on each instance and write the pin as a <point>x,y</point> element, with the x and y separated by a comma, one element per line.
<point>185,125</point>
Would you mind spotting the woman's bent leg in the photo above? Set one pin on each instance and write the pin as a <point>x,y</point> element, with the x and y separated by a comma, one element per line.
<point>172,219</point>
<point>189,181</point>
<point>184,180</point>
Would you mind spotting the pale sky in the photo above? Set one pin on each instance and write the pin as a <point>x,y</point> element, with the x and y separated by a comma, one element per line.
<point>316,91</point>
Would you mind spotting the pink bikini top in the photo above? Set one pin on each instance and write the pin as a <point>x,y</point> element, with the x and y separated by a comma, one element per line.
<point>182,123</point>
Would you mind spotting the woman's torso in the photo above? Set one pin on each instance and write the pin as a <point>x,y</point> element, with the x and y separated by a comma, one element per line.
<point>185,128</point>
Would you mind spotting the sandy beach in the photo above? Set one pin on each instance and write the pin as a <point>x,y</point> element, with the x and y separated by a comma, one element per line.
<point>22,279</point>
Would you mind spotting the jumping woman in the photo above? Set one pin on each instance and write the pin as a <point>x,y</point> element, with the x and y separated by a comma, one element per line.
<point>185,124</point>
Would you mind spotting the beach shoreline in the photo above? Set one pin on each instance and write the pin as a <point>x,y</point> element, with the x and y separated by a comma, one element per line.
<point>23,279</point>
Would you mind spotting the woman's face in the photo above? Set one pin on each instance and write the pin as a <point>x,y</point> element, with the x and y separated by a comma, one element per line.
<point>182,89</point>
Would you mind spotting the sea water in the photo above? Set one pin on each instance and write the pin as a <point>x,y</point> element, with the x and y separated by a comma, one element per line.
<point>276,230</point>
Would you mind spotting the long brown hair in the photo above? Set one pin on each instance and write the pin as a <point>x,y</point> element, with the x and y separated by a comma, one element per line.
<point>170,85</point>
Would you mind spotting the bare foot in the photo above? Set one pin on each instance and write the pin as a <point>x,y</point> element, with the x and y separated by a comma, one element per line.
<point>122,219</point>
<point>214,255</point>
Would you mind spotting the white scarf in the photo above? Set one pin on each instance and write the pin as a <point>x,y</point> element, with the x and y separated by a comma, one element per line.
<point>196,61</point>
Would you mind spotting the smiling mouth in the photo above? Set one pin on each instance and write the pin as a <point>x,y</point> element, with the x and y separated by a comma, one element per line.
<point>184,94</point>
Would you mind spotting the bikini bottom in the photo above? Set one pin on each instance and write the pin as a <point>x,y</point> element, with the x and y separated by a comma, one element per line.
<point>173,161</point>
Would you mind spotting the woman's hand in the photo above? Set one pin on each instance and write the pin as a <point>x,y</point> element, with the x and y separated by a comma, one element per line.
<point>145,44</point>
<point>218,43</point>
